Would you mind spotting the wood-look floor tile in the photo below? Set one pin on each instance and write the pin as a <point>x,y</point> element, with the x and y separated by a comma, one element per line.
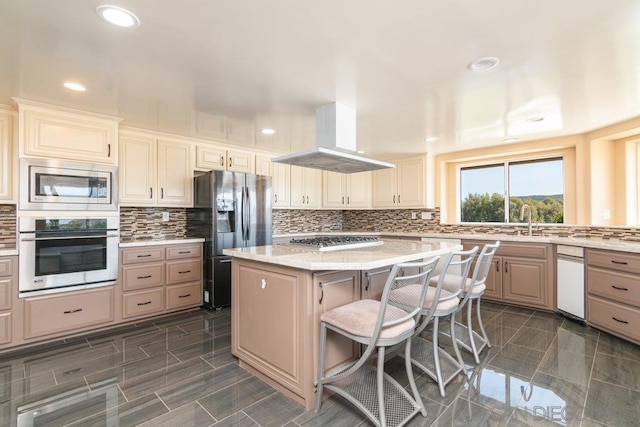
<point>175,341</point>
<point>582,344</point>
<point>203,348</point>
<point>188,415</point>
<point>569,366</point>
<point>335,411</point>
<point>135,369</point>
<point>495,389</point>
<point>610,344</point>
<point>517,359</point>
<point>275,410</point>
<point>612,405</point>
<point>537,339</point>
<point>545,321</point>
<point>50,361</point>
<point>127,414</point>
<point>617,370</point>
<point>234,398</point>
<point>464,413</point>
<point>239,419</point>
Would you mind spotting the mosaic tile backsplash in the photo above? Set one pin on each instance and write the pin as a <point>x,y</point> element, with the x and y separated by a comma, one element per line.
<point>7,226</point>
<point>147,224</point>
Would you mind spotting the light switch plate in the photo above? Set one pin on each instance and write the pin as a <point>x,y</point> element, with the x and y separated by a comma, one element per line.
<point>426,215</point>
<point>165,216</point>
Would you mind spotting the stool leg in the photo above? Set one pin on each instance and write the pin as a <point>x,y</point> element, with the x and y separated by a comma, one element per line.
<point>412,381</point>
<point>474,349</point>
<point>484,333</point>
<point>323,339</point>
<point>452,331</point>
<point>380,381</point>
<point>436,356</point>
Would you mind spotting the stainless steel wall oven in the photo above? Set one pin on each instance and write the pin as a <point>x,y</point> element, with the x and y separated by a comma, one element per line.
<point>63,252</point>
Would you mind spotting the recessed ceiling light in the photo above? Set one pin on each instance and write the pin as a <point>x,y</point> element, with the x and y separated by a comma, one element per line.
<point>74,86</point>
<point>431,138</point>
<point>510,140</point>
<point>117,16</point>
<point>268,131</point>
<point>535,119</point>
<point>483,64</point>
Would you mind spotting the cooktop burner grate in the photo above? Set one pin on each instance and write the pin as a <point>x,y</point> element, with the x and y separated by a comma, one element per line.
<point>332,243</point>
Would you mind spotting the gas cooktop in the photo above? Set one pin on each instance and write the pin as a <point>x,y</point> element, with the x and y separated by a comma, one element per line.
<point>334,243</point>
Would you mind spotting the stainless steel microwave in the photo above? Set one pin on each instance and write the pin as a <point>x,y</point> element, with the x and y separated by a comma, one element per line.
<point>61,185</point>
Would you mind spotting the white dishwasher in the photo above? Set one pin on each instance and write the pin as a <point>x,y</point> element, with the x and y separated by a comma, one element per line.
<point>570,283</point>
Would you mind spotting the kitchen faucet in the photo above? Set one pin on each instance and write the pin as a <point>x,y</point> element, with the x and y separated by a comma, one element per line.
<point>522,209</point>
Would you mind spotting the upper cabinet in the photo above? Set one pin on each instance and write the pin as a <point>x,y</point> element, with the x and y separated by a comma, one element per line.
<point>306,187</point>
<point>402,187</point>
<point>7,156</point>
<point>154,171</point>
<point>61,133</point>
<point>211,157</point>
<point>280,180</point>
<point>346,191</point>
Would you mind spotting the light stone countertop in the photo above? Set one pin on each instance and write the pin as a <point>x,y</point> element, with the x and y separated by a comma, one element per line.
<point>585,242</point>
<point>137,243</point>
<point>389,253</point>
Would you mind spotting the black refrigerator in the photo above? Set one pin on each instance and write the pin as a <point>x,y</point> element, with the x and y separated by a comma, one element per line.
<point>231,210</point>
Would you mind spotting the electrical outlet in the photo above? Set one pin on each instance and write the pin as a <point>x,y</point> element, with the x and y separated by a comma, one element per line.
<point>426,215</point>
<point>165,216</point>
<point>414,215</point>
<point>606,214</point>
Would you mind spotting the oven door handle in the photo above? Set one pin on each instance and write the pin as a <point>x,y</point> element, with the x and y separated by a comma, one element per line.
<point>39,239</point>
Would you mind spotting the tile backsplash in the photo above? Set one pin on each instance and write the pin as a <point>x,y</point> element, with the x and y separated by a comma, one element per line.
<point>8,226</point>
<point>147,224</point>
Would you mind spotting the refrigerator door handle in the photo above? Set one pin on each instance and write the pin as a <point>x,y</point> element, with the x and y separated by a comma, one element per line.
<point>247,214</point>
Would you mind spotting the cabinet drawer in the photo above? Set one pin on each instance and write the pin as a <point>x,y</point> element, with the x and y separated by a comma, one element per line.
<point>138,255</point>
<point>183,271</point>
<point>621,287</point>
<point>526,250</point>
<point>5,328</point>
<point>6,289</point>
<point>620,261</point>
<point>184,295</point>
<point>60,313</point>
<point>6,267</point>
<point>184,251</point>
<point>143,303</point>
<point>142,276</point>
<point>615,317</point>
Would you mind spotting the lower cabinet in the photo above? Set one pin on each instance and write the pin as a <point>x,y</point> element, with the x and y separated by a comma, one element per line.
<point>8,285</point>
<point>521,273</point>
<point>70,311</point>
<point>159,279</point>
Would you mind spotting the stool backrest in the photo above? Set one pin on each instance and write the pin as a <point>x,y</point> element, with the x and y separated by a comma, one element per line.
<point>483,264</point>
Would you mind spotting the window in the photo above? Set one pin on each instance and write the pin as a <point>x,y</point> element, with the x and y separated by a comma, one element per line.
<point>496,192</point>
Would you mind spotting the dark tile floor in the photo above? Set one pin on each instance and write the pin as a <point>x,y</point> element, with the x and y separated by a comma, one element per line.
<point>178,371</point>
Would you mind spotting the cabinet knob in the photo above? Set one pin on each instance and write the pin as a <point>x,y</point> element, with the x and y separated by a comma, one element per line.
<point>263,283</point>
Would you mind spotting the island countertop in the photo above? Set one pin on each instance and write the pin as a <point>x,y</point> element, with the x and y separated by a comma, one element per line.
<point>388,253</point>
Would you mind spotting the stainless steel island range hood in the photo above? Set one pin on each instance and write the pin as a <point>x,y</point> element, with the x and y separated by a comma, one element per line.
<point>336,144</point>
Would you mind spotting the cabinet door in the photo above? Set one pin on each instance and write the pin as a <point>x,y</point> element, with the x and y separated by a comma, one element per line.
<point>211,158</point>
<point>494,279</point>
<point>411,183</point>
<point>331,290</point>
<point>137,170</point>
<point>241,161</point>
<point>373,282</point>
<point>61,134</point>
<point>384,188</point>
<point>525,281</point>
<point>263,165</point>
<point>7,159</point>
<point>358,189</point>
<point>298,188</point>
<point>333,190</point>
<point>281,185</point>
<point>175,174</point>
<point>268,308</point>
<point>306,187</point>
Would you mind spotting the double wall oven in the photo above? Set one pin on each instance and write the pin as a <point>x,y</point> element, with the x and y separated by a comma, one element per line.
<point>67,225</point>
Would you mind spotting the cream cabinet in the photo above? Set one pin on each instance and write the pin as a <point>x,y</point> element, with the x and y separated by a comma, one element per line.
<point>346,191</point>
<point>280,180</point>
<point>160,279</point>
<point>306,187</point>
<point>401,187</point>
<point>7,156</point>
<point>211,157</point>
<point>61,133</point>
<point>154,172</point>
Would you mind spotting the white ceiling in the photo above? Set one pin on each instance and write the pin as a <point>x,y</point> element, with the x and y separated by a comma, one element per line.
<point>401,65</point>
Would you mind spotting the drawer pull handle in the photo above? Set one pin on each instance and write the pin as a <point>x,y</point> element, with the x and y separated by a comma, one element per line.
<point>184,252</point>
<point>143,256</point>
<point>621,321</point>
<point>619,288</point>
<point>184,296</point>
<point>144,303</point>
<point>144,277</point>
<point>184,272</point>
<point>619,262</point>
<point>72,311</point>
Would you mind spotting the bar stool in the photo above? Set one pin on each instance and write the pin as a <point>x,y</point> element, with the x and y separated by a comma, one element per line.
<point>378,325</point>
<point>441,303</point>
<point>474,288</point>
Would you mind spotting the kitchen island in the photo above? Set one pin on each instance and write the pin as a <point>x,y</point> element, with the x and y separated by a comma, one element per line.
<point>279,293</point>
